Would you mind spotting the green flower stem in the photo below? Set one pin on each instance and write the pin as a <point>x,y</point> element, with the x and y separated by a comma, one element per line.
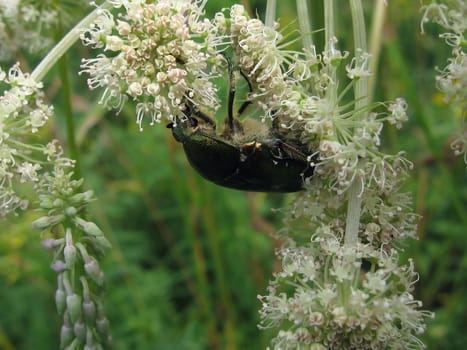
<point>359,31</point>
<point>270,12</point>
<point>59,50</point>
<point>68,110</point>
<point>304,22</point>
<point>354,205</point>
<point>375,44</point>
<point>361,100</point>
<point>329,35</point>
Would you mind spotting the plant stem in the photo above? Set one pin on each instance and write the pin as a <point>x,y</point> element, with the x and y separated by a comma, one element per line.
<point>360,48</point>
<point>354,196</point>
<point>68,110</point>
<point>375,44</point>
<point>270,13</point>
<point>59,50</point>
<point>329,37</point>
<point>304,22</point>
<point>361,100</point>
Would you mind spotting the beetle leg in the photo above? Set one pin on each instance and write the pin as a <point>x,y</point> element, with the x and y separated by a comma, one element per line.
<point>245,104</point>
<point>233,126</point>
<point>194,113</point>
<point>286,150</point>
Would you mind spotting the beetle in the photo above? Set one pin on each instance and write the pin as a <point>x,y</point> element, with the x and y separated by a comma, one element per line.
<point>242,157</point>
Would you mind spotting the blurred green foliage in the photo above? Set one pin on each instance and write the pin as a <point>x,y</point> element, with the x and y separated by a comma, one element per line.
<point>189,258</point>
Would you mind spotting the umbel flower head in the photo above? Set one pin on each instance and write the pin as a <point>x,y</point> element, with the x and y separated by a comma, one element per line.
<point>23,112</point>
<point>30,25</point>
<point>159,54</point>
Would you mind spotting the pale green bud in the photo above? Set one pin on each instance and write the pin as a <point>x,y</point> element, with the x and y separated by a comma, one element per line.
<point>89,311</point>
<point>102,325</point>
<point>80,330</point>
<point>60,301</point>
<point>66,336</point>
<point>88,227</point>
<point>70,211</point>
<point>69,252</point>
<point>73,303</point>
<point>83,197</point>
<point>46,222</point>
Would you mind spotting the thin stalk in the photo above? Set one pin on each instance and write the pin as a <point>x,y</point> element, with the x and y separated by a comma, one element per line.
<point>329,35</point>
<point>354,196</point>
<point>270,13</point>
<point>360,47</point>
<point>361,100</point>
<point>59,50</point>
<point>375,44</point>
<point>68,110</point>
<point>304,22</point>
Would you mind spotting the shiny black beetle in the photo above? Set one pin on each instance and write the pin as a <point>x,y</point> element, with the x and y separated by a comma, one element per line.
<point>253,160</point>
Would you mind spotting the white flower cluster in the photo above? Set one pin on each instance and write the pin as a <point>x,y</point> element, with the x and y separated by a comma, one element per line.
<point>22,112</point>
<point>27,26</point>
<point>330,295</point>
<point>159,54</point>
<point>452,79</point>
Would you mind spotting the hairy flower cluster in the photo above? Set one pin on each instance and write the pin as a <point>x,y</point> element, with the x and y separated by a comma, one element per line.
<point>29,25</point>
<point>333,295</point>
<point>22,112</point>
<point>256,48</point>
<point>344,298</point>
<point>452,79</point>
<point>159,54</point>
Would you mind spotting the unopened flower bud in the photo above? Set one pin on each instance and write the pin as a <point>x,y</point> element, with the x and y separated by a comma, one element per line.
<point>59,266</point>
<point>73,303</point>
<point>94,271</point>
<point>66,336</point>
<point>102,325</point>
<point>69,252</point>
<point>51,243</point>
<point>89,311</point>
<point>79,329</point>
<point>60,301</point>
<point>103,242</point>
<point>82,197</point>
<point>58,203</point>
<point>46,222</point>
<point>88,227</point>
<point>45,202</point>
<point>70,211</point>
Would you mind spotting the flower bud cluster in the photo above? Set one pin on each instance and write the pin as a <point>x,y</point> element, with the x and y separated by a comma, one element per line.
<point>80,276</point>
<point>159,54</point>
